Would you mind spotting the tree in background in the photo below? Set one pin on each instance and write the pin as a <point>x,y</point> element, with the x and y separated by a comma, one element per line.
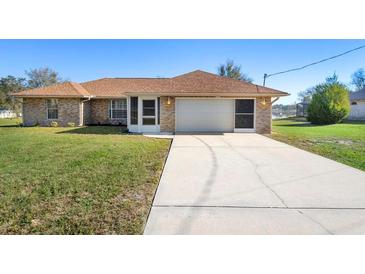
<point>330,102</point>
<point>42,77</point>
<point>358,79</point>
<point>306,95</point>
<point>36,78</point>
<point>231,70</point>
<point>9,85</point>
<point>333,79</point>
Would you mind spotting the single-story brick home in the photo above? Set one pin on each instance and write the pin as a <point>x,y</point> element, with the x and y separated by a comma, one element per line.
<point>196,101</point>
<point>357,100</point>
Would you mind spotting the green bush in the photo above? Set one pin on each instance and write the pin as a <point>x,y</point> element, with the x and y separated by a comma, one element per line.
<point>330,104</point>
<point>53,124</point>
<point>71,124</point>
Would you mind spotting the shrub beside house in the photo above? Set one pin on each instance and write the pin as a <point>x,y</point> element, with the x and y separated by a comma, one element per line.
<point>330,104</point>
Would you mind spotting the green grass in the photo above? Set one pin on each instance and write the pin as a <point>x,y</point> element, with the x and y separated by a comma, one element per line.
<point>89,180</point>
<point>343,142</point>
<point>10,122</point>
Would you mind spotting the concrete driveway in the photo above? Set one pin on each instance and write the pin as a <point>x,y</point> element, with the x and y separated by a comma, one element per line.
<point>251,184</point>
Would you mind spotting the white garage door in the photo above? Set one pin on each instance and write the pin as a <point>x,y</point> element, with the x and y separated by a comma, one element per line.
<point>205,115</point>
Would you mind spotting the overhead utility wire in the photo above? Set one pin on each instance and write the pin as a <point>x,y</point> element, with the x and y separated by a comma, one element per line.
<point>312,64</point>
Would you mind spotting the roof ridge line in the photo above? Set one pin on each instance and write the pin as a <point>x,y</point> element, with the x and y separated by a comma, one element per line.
<point>132,78</point>
<point>78,87</point>
<point>216,75</point>
<point>137,78</point>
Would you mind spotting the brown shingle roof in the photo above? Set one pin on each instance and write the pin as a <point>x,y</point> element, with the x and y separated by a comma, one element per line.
<point>191,84</point>
<point>196,83</point>
<point>208,83</point>
<point>67,89</point>
<point>116,87</point>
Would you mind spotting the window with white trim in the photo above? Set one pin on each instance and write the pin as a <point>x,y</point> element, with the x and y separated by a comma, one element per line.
<point>118,109</point>
<point>134,110</point>
<point>158,110</point>
<point>52,109</point>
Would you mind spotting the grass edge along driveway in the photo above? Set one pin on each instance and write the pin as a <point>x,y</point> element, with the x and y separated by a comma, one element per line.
<point>88,180</point>
<point>344,142</point>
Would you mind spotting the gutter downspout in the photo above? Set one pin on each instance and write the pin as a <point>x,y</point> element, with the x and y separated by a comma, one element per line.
<point>88,98</point>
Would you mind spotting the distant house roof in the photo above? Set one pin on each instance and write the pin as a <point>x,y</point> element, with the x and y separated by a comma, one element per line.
<point>358,95</point>
<point>196,83</point>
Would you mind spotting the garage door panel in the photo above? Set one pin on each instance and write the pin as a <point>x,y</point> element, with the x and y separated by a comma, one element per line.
<point>204,115</point>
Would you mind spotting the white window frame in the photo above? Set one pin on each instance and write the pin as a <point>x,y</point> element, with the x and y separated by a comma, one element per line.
<point>51,108</point>
<point>124,107</point>
<point>244,114</point>
<point>254,117</point>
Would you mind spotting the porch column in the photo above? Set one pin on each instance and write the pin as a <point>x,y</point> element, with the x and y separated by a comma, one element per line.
<point>167,114</point>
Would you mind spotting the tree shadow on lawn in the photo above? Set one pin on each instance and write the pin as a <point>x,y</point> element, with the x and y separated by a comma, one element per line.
<point>303,123</point>
<point>102,130</point>
<point>354,122</point>
<point>295,122</point>
<point>10,126</point>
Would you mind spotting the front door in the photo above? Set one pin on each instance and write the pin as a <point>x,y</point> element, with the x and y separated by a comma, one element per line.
<point>149,111</point>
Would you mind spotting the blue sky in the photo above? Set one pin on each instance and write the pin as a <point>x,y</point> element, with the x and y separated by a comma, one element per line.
<point>83,60</point>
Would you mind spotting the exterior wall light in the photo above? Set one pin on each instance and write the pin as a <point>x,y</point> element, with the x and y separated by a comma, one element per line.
<point>168,100</point>
<point>265,102</point>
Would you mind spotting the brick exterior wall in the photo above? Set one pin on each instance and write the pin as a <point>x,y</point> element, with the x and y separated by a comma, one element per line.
<point>263,116</point>
<point>167,114</point>
<point>97,112</point>
<point>86,111</point>
<point>100,113</point>
<point>35,112</point>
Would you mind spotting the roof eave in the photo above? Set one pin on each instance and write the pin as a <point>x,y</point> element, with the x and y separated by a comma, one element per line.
<point>194,94</point>
<point>109,96</point>
<point>51,96</point>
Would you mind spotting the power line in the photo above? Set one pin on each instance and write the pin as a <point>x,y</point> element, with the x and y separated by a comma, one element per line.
<point>311,64</point>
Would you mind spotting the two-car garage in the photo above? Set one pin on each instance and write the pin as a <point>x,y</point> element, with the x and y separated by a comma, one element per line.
<point>214,115</point>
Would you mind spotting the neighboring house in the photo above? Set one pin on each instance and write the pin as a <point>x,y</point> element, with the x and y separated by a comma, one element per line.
<point>280,111</point>
<point>6,113</point>
<point>357,102</point>
<point>196,101</point>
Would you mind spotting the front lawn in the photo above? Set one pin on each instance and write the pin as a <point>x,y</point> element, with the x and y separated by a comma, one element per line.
<point>343,142</point>
<point>89,180</point>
